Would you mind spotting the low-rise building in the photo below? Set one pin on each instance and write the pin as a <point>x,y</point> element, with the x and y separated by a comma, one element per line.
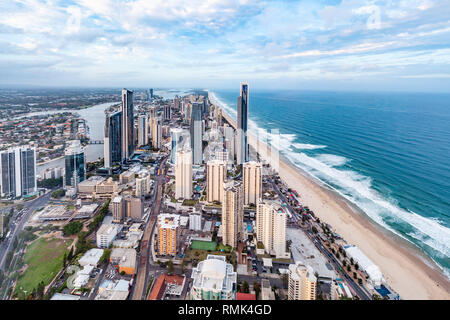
<point>125,259</point>
<point>91,257</point>
<point>106,235</point>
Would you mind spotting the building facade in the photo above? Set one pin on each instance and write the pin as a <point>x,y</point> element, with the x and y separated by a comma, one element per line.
<point>18,172</point>
<point>113,139</point>
<point>242,124</point>
<point>183,174</point>
<point>213,279</point>
<point>232,213</point>
<point>271,227</point>
<point>252,178</point>
<point>127,124</point>
<point>302,282</point>
<point>216,174</point>
<point>75,164</point>
<point>196,133</point>
<point>167,233</point>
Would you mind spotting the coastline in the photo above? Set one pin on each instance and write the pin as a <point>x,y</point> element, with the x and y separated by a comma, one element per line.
<point>406,269</point>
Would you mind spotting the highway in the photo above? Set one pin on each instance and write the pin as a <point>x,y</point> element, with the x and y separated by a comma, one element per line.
<point>18,221</point>
<point>141,278</point>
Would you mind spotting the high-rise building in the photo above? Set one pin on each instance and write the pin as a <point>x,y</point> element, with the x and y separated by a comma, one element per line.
<point>271,227</point>
<point>252,179</point>
<point>177,138</point>
<point>143,130</point>
<point>183,174</point>
<point>113,139</point>
<point>242,121</point>
<point>167,233</point>
<point>229,141</point>
<point>196,133</point>
<point>157,133</point>
<point>18,172</point>
<point>302,282</point>
<point>143,184</point>
<point>167,112</point>
<point>213,279</point>
<point>134,208</point>
<point>127,124</point>
<point>216,174</point>
<point>118,209</point>
<point>232,213</point>
<point>75,164</point>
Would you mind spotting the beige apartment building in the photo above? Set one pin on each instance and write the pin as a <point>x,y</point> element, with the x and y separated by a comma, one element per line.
<point>216,173</point>
<point>252,179</point>
<point>302,282</point>
<point>232,213</point>
<point>271,227</point>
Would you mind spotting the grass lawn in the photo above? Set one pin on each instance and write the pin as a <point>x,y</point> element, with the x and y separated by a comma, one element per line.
<point>44,259</point>
<point>203,245</point>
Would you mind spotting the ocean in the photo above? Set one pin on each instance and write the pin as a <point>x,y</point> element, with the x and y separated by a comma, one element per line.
<point>387,153</point>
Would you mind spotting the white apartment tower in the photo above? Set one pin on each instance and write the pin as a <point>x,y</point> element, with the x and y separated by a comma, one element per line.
<point>271,227</point>
<point>183,174</point>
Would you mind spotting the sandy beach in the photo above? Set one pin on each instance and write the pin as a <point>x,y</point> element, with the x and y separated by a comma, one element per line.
<point>409,272</point>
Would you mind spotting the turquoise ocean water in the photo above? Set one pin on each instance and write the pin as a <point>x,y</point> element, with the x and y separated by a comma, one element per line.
<point>388,153</point>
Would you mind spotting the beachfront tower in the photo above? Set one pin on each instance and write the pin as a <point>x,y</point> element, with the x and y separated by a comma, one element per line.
<point>271,228</point>
<point>242,121</point>
<point>143,130</point>
<point>18,172</point>
<point>252,179</point>
<point>177,138</point>
<point>127,124</point>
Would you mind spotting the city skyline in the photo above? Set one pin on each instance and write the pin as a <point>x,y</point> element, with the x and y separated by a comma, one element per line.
<point>370,45</point>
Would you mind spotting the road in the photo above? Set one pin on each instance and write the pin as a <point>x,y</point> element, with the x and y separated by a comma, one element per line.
<point>143,261</point>
<point>18,221</point>
<point>337,266</point>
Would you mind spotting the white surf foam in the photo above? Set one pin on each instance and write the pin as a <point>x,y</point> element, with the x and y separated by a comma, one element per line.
<point>358,189</point>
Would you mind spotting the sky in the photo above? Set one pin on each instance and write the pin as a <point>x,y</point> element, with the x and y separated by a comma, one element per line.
<point>327,45</point>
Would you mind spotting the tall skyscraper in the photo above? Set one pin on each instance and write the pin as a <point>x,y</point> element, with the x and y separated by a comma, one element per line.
<point>302,282</point>
<point>127,124</point>
<point>271,227</point>
<point>252,178</point>
<point>242,120</point>
<point>18,172</point>
<point>167,112</point>
<point>143,130</point>
<point>216,174</point>
<point>232,213</point>
<point>113,139</point>
<point>177,138</point>
<point>75,164</point>
<point>156,133</point>
<point>196,133</point>
<point>183,174</point>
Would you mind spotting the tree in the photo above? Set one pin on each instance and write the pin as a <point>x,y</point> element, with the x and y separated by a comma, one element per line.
<point>170,267</point>
<point>257,288</point>
<point>245,287</point>
<point>356,266</point>
<point>70,255</point>
<point>105,256</point>
<point>64,260</point>
<point>72,228</point>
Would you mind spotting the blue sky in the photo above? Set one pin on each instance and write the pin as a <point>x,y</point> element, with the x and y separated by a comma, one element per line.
<point>329,45</point>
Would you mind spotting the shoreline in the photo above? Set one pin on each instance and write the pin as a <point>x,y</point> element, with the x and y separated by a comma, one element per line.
<point>411,273</point>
